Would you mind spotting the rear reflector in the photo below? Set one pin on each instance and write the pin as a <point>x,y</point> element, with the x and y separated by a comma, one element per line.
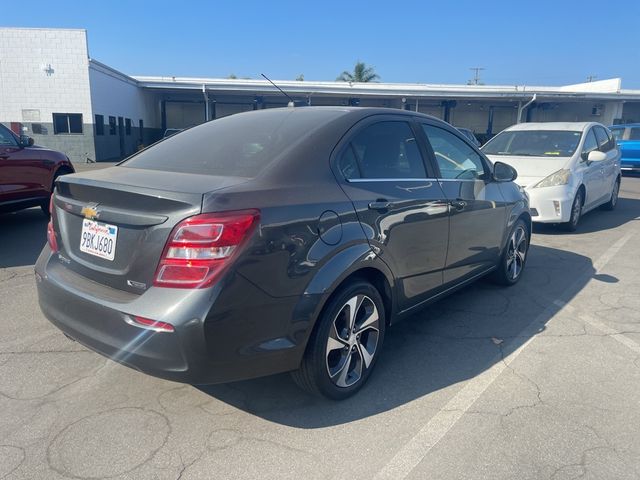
<point>200,247</point>
<point>149,324</point>
<point>51,233</point>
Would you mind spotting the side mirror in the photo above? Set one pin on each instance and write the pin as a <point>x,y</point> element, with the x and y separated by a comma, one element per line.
<point>504,173</point>
<point>596,156</point>
<point>26,141</point>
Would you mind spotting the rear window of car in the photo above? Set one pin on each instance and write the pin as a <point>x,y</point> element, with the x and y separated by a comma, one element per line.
<point>240,145</point>
<point>634,133</point>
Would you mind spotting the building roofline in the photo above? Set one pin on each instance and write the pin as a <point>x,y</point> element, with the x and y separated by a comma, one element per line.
<point>602,90</point>
<point>46,29</point>
<point>93,63</point>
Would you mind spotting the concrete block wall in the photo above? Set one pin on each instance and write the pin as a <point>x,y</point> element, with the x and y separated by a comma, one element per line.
<point>45,71</point>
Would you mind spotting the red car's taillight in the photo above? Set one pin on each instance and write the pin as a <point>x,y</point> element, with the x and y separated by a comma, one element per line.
<point>51,233</point>
<point>200,247</point>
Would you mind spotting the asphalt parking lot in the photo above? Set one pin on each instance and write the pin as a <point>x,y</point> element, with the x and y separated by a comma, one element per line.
<point>539,381</point>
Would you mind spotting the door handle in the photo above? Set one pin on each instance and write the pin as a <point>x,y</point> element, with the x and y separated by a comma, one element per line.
<point>380,205</point>
<point>458,204</point>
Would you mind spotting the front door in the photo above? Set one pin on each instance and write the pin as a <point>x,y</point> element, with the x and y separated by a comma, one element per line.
<point>607,144</point>
<point>401,207</point>
<point>592,172</point>
<point>22,172</point>
<point>478,209</point>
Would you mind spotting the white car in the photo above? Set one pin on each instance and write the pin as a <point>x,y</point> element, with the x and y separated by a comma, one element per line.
<point>566,168</point>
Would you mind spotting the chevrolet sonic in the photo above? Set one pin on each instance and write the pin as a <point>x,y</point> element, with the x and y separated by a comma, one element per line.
<point>277,240</point>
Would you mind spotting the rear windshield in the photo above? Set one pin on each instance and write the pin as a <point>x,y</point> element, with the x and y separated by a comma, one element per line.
<point>534,143</point>
<point>240,145</point>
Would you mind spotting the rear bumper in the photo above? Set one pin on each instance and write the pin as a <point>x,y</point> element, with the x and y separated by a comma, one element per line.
<point>550,204</point>
<point>206,347</point>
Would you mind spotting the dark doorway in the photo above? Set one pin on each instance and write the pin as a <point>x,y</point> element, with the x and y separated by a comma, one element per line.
<point>121,136</point>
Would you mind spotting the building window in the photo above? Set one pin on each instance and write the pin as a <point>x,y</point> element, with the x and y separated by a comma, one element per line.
<point>99,124</point>
<point>141,130</point>
<point>112,125</point>
<point>127,126</point>
<point>67,123</point>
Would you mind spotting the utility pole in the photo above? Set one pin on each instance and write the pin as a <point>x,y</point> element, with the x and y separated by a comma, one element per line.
<point>476,76</point>
<point>591,78</point>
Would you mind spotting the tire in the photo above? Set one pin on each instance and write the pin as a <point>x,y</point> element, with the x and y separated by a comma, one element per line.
<point>514,257</point>
<point>576,213</point>
<point>45,204</point>
<point>613,200</point>
<point>340,356</point>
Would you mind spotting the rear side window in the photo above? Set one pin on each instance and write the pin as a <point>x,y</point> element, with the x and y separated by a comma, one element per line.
<point>241,145</point>
<point>456,159</point>
<point>618,133</point>
<point>383,150</point>
<point>634,133</point>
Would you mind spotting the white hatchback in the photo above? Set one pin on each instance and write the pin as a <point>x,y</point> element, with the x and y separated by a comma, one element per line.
<point>566,168</point>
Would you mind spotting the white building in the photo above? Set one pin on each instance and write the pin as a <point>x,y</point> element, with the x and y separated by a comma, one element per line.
<point>52,90</point>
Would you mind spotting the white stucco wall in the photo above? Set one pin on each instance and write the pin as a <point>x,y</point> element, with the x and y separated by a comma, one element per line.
<point>115,94</point>
<point>26,82</point>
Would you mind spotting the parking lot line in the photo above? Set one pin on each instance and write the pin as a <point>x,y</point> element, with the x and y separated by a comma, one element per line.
<point>417,448</point>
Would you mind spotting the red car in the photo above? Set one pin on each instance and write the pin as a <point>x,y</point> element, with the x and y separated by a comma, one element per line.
<point>27,172</point>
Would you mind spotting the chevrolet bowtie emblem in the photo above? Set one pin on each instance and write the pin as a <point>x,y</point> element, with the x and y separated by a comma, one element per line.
<point>90,212</point>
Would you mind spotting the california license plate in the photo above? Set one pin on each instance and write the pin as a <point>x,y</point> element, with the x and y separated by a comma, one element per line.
<point>98,239</point>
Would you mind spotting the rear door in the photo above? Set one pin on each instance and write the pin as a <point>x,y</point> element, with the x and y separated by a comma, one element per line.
<point>400,205</point>
<point>478,213</point>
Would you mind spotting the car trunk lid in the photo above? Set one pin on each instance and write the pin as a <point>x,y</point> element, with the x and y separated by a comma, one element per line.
<point>139,208</point>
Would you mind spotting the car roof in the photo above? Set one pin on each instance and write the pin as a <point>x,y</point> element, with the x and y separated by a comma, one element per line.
<point>568,126</point>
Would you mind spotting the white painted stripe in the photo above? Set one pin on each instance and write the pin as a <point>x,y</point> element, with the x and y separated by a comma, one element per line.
<point>417,448</point>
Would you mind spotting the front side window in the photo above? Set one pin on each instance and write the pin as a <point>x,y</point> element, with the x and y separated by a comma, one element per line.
<point>603,139</point>
<point>534,143</point>
<point>67,123</point>
<point>590,144</point>
<point>383,150</point>
<point>456,159</point>
<point>6,137</point>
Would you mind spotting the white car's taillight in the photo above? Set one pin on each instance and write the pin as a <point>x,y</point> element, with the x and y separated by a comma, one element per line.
<point>200,247</point>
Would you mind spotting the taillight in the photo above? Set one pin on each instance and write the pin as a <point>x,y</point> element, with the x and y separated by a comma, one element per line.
<point>200,247</point>
<point>51,233</point>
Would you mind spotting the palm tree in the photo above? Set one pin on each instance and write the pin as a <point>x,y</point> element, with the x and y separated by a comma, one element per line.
<point>361,73</point>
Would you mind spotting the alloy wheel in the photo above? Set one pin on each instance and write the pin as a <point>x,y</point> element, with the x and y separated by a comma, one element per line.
<point>516,252</point>
<point>615,193</point>
<point>576,210</point>
<point>353,341</point>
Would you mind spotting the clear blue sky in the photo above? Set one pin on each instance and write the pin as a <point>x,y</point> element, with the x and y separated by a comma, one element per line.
<point>517,42</point>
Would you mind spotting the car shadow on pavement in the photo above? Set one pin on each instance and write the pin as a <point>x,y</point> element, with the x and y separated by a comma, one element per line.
<point>431,352</point>
<point>627,210</point>
<point>22,236</point>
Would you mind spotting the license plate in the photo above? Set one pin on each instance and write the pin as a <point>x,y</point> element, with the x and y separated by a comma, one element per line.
<point>98,239</point>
